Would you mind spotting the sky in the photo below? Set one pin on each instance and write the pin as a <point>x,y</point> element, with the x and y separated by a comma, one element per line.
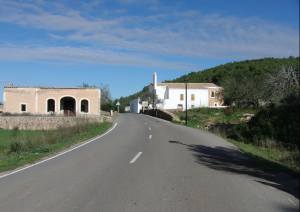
<point>121,43</point>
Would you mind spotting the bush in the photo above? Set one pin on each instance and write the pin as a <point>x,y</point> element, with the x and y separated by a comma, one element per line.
<point>6,114</point>
<point>39,149</point>
<point>16,146</point>
<point>276,123</point>
<point>228,111</point>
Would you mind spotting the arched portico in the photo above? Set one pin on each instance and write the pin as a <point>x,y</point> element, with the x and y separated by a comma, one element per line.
<point>68,105</point>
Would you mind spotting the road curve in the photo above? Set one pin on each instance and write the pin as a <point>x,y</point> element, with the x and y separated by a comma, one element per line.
<point>146,164</point>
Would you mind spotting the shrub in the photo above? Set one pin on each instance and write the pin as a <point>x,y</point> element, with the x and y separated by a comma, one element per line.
<point>16,146</point>
<point>25,114</point>
<point>39,149</point>
<point>228,111</point>
<point>6,114</point>
<point>15,131</point>
<point>277,123</point>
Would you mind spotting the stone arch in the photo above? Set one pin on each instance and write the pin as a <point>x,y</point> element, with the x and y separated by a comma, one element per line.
<point>68,105</point>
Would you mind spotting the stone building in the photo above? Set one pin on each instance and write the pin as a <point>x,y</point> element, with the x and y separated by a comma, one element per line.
<point>67,101</point>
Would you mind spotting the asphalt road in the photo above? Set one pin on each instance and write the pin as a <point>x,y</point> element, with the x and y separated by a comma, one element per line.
<point>146,164</point>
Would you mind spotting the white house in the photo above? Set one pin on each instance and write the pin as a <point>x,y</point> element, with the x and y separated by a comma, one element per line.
<point>135,106</point>
<point>174,94</point>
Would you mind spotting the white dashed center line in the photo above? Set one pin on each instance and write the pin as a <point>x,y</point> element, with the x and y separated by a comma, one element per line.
<point>149,128</point>
<point>136,157</point>
<point>146,123</point>
<point>150,136</point>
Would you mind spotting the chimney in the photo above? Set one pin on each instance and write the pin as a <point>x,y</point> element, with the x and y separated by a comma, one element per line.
<point>154,81</point>
<point>10,84</point>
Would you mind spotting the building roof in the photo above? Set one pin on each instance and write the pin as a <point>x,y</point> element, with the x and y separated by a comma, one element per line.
<point>41,87</point>
<point>189,85</point>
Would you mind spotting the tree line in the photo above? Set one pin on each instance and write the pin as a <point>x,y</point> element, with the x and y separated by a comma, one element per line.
<point>257,67</point>
<point>233,74</point>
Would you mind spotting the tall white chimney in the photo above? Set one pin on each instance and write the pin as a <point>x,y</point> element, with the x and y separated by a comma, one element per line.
<point>154,80</point>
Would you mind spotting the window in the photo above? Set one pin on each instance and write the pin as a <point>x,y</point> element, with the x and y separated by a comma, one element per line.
<point>50,105</point>
<point>216,104</point>
<point>212,94</point>
<point>181,97</point>
<point>193,106</point>
<point>23,107</point>
<point>84,106</point>
<point>193,97</point>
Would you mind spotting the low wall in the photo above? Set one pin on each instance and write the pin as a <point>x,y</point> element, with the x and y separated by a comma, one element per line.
<point>161,114</point>
<point>42,122</point>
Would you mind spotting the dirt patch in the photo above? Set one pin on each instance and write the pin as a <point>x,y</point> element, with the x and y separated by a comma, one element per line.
<point>109,118</point>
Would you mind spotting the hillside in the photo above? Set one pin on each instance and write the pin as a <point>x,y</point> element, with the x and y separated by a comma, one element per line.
<point>251,67</point>
<point>258,67</point>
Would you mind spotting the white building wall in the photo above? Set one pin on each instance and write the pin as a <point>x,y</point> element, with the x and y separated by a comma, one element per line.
<point>135,107</point>
<point>200,100</point>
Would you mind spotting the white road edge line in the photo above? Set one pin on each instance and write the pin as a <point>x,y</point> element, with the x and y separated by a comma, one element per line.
<point>150,136</point>
<point>136,157</point>
<point>58,154</point>
<point>149,128</point>
<point>292,201</point>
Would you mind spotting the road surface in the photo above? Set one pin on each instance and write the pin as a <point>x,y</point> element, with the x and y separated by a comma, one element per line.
<point>146,164</point>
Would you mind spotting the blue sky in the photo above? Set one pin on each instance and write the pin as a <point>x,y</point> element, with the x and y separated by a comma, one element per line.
<point>123,42</point>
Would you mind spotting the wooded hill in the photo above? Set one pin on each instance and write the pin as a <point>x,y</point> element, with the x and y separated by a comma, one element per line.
<point>258,67</point>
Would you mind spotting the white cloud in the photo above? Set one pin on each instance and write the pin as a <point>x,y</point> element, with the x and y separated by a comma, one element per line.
<point>85,54</point>
<point>172,33</point>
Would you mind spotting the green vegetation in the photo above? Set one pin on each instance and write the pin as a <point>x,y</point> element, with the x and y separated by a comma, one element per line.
<point>252,70</point>
<point>107,102</point>
<point>206,116</point>
<point>272,86</point>
<point>20,147</point>
<point>125,101</point>
<point>270,138</point>
<point>259,67</point>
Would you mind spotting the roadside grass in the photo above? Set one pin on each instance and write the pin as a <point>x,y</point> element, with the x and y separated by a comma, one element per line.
<point>206,116</point>
<point>271,158</point>
<point>21,147</point>
<point>268,155</point>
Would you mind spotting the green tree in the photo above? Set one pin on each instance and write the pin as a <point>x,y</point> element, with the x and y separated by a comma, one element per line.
<point>148,96</point>
<point>239,88</point>
<point>106,97</point>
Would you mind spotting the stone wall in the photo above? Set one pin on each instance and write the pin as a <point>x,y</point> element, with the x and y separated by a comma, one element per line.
<point>43,122</point>
<point>160,113</point>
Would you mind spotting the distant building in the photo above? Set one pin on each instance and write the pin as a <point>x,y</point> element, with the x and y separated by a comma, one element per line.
<point>127,109</point>
<point>173,94</point>
<point>135,106</point>
<point>46,100</point>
